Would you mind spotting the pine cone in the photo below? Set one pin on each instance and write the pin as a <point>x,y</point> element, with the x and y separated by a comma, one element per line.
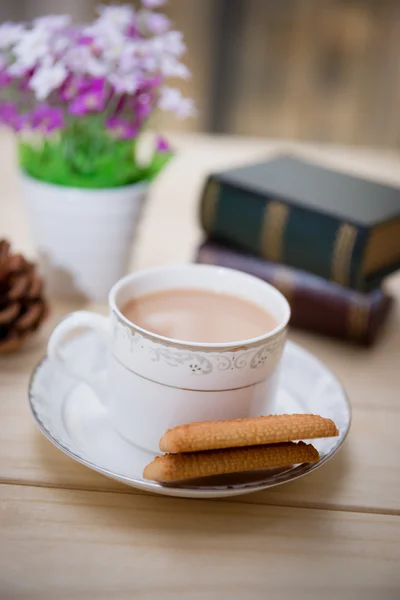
<point>22,306</point>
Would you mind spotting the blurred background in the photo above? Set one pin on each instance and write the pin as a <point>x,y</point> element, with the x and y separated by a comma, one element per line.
<point>315,70</point>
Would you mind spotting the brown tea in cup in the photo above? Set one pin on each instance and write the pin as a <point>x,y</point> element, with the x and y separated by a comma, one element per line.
<point>198,315</point>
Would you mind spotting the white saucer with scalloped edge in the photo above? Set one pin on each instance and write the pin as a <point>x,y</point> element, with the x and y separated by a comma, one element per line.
<point>70,415</point>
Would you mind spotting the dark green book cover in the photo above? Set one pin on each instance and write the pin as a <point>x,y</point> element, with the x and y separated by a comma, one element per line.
<point>340,227</point>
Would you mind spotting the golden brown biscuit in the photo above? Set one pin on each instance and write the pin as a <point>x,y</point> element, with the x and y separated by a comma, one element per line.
<point>190,465</point>
<point>272,429</point>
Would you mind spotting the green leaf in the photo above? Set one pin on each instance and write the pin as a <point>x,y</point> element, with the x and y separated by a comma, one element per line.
<point>160,160</point>
<point>85,155</point>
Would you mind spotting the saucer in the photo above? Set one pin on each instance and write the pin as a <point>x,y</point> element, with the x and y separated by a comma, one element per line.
<point>71,416</point>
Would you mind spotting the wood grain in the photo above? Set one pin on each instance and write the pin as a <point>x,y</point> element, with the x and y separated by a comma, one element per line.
<point>75,544</point>
<point>363,476</point>
<point>318,537</point>
<point>321,70</point>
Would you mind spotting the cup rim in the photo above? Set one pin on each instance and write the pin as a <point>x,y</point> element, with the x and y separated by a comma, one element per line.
<point>199,345</point>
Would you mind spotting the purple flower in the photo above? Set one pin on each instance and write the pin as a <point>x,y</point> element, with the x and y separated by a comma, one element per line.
<point>115,67</point>
<point>8,113</point>
<point>5,78</point>
<point>153,82</point>
<point>73,85</point>
<point>121,128</point>
<point>24,81</point>
<point>121,103</point>
<point>9,116</point>
<point>162,145</point>
<point>143,106</point>
<point>85,40</point>
<point>92,99</point>
<point>47,118</point>
<point>132,31</point>
<point>145,93</point>
<point>20,122</point>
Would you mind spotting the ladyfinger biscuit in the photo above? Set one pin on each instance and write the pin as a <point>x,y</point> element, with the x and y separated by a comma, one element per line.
<point>272,429</point>
<point>190,465</point>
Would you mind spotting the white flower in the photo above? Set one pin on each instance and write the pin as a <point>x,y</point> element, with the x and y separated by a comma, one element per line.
<point>33,46</point>
<point>173,43</point>
<point>113,45</point>
<point>170,67</point>
<point>95,68</point>
<point>108,38</point>
<point>118,16</point>
<point>153,3</point>
<point>17,69</point>
<point>81,60</point>
<point>185,108</point>
<point>128,61</point>
<point>169,44</point>
<point>10,33</point>
<point>124,82</point>
<point>52,22</point>
<point>171,99</point>
<point>47,78</point>
<point>156,22</point>
<point>100,29</point>
<point>150,52</point>
<point>153,52</point>
<point>60,44</point>
<point>155,45</point>
<point>150,63</point>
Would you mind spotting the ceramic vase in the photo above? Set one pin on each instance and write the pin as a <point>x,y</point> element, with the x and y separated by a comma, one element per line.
<point>83,237</point>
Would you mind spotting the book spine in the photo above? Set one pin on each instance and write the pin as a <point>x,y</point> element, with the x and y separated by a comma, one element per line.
<point>280,232</point>
<point>316,305</point>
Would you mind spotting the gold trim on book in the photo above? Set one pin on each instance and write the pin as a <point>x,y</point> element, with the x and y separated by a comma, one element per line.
<point>342,253</point>
<point>357,320</point>
<point>383,247</point>
<point>209,204</point>
<point>275,219</point>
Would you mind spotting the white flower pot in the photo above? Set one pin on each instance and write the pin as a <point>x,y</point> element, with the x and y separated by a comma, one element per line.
<point>83,236</point>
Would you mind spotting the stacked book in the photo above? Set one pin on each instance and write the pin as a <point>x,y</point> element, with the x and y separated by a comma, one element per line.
<point>325,239</point>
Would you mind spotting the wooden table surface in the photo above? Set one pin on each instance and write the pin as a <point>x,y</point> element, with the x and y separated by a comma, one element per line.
<point>69,533</point>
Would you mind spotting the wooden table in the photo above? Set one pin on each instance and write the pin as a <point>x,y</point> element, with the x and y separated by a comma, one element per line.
<point>67,532</point>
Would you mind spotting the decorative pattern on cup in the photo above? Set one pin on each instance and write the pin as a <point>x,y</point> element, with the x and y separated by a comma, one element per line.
<point>195,359</point>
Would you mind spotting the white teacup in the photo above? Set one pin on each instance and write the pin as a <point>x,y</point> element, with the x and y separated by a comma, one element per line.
<point>153,383</point>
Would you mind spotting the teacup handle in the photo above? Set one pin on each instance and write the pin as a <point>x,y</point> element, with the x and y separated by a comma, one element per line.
<point>75,321</point>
